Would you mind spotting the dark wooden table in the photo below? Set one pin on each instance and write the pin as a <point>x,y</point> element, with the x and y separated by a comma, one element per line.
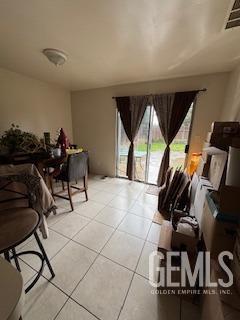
<point>42,160</point>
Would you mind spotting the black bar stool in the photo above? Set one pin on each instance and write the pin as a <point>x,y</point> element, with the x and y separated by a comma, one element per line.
<point>76,168</point>
<point>17,225</point>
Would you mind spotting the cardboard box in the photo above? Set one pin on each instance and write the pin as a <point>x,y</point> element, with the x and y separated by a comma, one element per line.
<point>218,235</point>
<point>206,144</point>
<point>185,291</point>
<point>220,306</point>
<point>223,134</point>
<point>208,137</point>
<point>170,239</point>
<point>217,167</point>
<point>212,307</point>
<point>203,187</point>
<point>225,128</point>
<point>165,238</point>
<point>233,168</point>
<point>204,153</point>
<point>235,142</point>
<point>203,167</point>
<point>183,242</point>
<point>221,142</point>
<point>229,200</point>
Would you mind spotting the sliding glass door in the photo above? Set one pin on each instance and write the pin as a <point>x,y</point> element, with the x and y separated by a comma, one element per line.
<point>149,147</point>
<point>141,148</point>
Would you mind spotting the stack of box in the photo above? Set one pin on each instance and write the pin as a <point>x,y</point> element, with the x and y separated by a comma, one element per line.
<point>171,240</point>
<point>203,187</point>
<point>218,228</point>
<point>218,221</point>
<point>222,136</point>
<point>219,305</point>
<point>221,213</point>
<point>213,179</point>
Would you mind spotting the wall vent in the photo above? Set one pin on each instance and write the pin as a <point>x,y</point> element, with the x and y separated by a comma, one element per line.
<point>234,17</point>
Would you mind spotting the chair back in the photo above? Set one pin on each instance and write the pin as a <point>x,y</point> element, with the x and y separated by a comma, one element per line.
<point>77,166</point>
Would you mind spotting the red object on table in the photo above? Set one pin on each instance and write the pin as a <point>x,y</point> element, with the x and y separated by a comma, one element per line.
<point>63,141</point>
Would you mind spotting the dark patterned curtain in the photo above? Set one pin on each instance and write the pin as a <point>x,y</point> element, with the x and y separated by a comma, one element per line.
<point>171,110</point>
<point>131,110</point>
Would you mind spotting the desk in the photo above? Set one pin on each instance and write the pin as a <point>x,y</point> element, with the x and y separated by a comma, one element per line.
<point>11,292</point>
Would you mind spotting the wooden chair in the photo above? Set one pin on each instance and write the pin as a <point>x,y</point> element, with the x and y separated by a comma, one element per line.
<point>75,169</point>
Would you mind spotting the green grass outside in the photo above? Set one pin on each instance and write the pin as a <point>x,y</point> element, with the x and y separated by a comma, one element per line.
<point>160,146</point>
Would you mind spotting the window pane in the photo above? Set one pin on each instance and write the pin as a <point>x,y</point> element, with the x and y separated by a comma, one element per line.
<point>177,155</point>
<point>156,149</point>
<point>141,145</point>
<point>123,147</point>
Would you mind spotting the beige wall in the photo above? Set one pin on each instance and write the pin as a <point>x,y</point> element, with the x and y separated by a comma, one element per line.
<point>34,105</point>
<point>94,114</point>
<point>231,110</point>
<point>37,106</point>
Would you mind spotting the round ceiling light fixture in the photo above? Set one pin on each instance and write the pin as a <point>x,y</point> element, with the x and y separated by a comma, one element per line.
<point>55,56</point>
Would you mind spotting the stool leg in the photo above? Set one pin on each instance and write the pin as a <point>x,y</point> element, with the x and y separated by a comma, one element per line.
<point>16,259</point>
<point>44,254</point>
<point>85,187</point>
<point>7,256</point>
<point>70,195</point>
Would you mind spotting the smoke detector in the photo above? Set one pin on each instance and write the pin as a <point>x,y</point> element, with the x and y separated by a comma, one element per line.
<point>55,56</point>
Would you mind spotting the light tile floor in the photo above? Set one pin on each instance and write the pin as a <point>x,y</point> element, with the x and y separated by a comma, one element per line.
<point>100,256</point>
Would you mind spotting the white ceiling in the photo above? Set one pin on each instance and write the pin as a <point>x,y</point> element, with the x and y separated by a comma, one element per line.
<point>117,41</point>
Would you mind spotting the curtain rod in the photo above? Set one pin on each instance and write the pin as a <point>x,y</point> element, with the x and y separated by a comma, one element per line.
<point>148,95</point>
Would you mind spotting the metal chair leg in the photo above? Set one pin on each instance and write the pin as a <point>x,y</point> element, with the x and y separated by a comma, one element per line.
<point>44,254</point>
<point>70,195</point>
<point>16,259</point>
<point>85,187</point>
<point>7,256</point>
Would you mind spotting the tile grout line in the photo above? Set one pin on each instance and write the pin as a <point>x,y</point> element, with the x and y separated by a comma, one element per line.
<point>82,306</point>
<point>133,276</point>
<point>98,253</point>
<point>114,227</point>
<point>124,300</point>
<point>66,294</point>
<point>61,290</point>
<point>70,296</point>
<point>69,239</point>
<point>93,219</point>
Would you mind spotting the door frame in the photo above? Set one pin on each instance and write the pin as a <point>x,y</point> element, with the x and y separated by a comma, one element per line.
<point>190,133</point>
<point>149,138</point>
